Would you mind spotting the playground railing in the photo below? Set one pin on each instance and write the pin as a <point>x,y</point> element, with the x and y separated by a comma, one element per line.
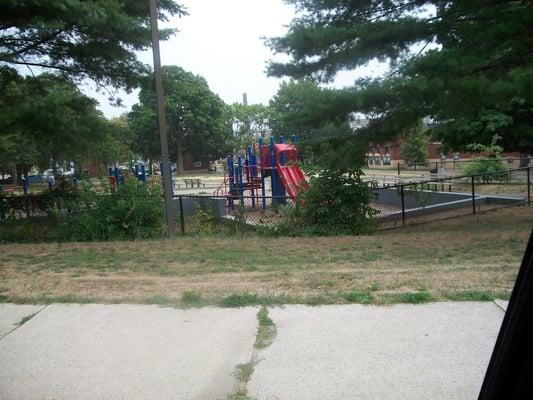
<point>451,196</point>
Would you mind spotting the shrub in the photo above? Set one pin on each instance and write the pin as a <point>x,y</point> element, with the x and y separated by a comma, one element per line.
<point>15,231</point>
<point>492,167</point>
<point>46,203</point>
<point>132,211</point>
<point>336,202</point>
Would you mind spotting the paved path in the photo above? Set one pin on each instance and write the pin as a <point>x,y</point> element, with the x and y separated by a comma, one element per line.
<point>434,351</point>
<point>437,351</point>
<point>11,315</point>
<point>125,352</point>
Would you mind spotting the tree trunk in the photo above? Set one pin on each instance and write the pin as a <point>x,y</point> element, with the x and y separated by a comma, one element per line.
<point>21,171</point>
<point>14,173</point>
<point>524,160</point>
<point>54,168</point>
<point>179,155</point>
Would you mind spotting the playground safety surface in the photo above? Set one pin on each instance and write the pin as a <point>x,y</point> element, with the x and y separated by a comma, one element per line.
<point>70,351</point>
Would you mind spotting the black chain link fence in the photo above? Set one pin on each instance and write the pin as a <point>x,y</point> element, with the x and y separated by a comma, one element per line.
<point>457,167</point>
<point>396,204</point>
<point>228,214</point>
<point>46,203</point>
<point>446,197</point>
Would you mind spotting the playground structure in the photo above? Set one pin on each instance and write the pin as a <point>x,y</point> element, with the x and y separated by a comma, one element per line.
<point>277,161</point>
<point>117,179</point>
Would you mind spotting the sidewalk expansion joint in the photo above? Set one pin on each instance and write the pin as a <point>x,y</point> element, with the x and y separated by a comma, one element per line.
<point>24,320</point>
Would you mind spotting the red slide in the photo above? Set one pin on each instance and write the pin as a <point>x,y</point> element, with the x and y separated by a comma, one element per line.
<point>290,174</point>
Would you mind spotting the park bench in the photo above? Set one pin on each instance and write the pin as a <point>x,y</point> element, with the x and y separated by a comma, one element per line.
<point>199,182</point>
<point>192,182</point>
<point>435,186</point>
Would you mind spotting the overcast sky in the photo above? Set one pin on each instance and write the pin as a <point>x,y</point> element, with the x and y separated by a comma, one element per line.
<point>221,41</point>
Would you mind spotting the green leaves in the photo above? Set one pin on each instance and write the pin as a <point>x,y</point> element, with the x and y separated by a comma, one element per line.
<point>415,145</point>
<point>81,39</point>
<point>197,118</point>
<point>132,211</point>
<point>45,119</point>
<point>466,65</point>
<point>337,202</point>
<point>330,36</point>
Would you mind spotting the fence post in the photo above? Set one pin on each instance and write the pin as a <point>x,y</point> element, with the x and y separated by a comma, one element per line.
<point>398,168</point>
<point>27,201</point>
<point>2,209</point>
<point>182,217</point>
<point>473,196</point>
<point>528,186</point>
<point>403,205</point>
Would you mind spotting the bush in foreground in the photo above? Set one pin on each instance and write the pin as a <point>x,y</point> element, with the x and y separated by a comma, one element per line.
<point>337,202</point>
<point>132,211</point>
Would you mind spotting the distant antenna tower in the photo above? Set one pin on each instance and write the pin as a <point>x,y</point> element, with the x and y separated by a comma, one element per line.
<point>245,99</point>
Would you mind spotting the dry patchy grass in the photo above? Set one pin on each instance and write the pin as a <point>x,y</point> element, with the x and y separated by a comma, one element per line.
<point>472,257</point>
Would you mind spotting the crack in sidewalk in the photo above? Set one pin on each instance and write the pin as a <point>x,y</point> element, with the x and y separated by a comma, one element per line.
<point>24,320</point>
<point>266,332</point>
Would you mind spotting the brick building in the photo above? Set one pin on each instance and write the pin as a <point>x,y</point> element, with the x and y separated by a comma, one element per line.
<point>388,155</point>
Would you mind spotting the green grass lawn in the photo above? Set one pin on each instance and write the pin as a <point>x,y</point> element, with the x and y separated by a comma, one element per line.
<point>469,258</point>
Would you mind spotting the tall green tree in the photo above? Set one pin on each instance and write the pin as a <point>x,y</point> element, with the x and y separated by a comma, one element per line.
<point>95,39</point>
<point>116,144</point>
<point>45,120</point>
<point>294,107</point>
<point>320,117</point>
<point>302,106</point>
<point>468,65</point>
<point>198,120</point>
<point>249,120</point>
<point>415,144</point>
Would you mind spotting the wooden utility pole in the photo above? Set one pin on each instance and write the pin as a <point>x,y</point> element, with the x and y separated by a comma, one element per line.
<point>165,173</point>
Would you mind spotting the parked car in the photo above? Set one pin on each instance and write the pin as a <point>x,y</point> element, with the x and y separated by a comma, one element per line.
<point>48,174</point>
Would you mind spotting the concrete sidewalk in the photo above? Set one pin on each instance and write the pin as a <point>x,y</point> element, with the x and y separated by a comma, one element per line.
<point>437,351</point>
<point>125,352</point>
